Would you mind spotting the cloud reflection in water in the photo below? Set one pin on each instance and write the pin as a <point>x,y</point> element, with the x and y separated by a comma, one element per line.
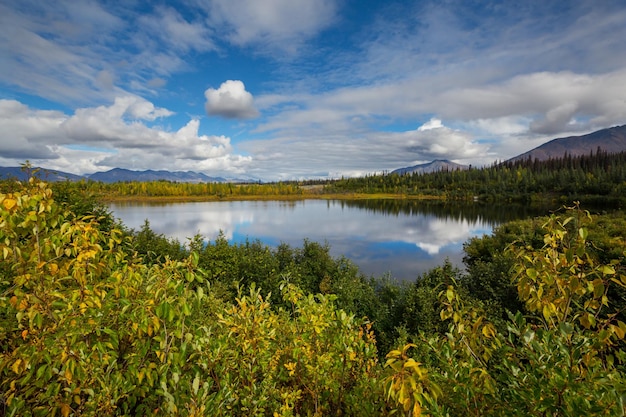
<point>378,241</point>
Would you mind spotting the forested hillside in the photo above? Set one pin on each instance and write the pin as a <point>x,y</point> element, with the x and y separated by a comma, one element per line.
<point>99,320</point>
<point>597,175</point>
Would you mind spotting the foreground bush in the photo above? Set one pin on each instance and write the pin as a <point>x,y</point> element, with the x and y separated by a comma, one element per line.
<point>565,358</point>
<point>86,328</point>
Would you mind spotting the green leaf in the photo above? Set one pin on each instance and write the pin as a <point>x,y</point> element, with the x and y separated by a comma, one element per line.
<point>607,270</point>
<point>196,385</point>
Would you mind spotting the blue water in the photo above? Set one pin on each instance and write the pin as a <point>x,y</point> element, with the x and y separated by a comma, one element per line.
<point>404,243</point>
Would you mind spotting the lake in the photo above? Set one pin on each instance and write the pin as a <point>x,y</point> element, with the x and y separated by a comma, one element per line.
<point>399,237</point>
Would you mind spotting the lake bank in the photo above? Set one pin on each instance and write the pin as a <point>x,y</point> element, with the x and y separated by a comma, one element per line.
<point>270,197</point>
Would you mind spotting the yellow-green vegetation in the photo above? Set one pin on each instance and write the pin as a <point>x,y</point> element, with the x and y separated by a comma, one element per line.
<point>164,191</point>
<point>564,358</point>
<point>88,329</point>
<point>97,320</point>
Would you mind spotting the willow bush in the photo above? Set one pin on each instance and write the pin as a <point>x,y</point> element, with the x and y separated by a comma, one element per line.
<point>89,327</point>
<point>564,358</point>
<point>86,328</point>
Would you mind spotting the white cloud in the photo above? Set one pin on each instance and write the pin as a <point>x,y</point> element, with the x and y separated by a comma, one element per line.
<point>492,121</point>
<point>111,136</point>
<point>283,24</point>
<point>431,124</point>
<point>294,155</point>
<point>555,120</point>
<point>85,52</point>
<point>552,100</point>
<point>433,140</point>
<point>26,133</point>
<point>167,26</point>
<point>503,79</point>
<point>231,101</point>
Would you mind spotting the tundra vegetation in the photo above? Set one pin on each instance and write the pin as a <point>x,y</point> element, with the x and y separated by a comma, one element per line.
<point>96,319</point>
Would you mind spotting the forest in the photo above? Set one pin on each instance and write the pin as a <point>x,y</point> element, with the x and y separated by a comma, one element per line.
<point>98,319</point>
<point>598,176</point>
<point>595,178</point>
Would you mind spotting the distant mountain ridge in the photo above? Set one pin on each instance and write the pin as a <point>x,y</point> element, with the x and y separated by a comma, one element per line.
<point>121,175</point>
<point>46,174</point>
<point>113,175</point>
<point>611,140</point>
<point>434,166</point>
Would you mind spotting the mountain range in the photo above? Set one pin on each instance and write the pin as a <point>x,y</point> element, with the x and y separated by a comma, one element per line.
<point>119,174</point>
<point>611,140</point>
<point>113,175</point>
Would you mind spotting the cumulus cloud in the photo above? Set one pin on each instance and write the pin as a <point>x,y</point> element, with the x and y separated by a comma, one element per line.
<point>555,102</point>
<point>111,136</point>
<point>494,120</point>
<point>433,140</point>
<point>231,101</point>
<point>431,124</point>
<point>25,133</point>
<point>555,120</point>
<point>294,155</point>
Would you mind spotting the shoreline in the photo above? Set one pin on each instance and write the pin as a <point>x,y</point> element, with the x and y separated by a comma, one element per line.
<point>273,197</point>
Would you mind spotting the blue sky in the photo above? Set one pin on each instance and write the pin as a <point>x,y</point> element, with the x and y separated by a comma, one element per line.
<point>290,89</point>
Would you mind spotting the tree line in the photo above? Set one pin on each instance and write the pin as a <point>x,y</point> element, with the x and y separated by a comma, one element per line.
<point>598,175</point>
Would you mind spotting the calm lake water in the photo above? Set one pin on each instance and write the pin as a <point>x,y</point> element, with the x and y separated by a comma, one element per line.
<point>403,238</point>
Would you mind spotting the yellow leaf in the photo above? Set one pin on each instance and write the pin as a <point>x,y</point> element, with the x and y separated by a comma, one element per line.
<point>410,363</point>
<point>488,331</point>
<point>393,354</point>
<point>417,410</point>
<point>619,332</point>
<point>9,203</point>
<point>16,366</point>
<point>547,311</point>
<point>65,410</point>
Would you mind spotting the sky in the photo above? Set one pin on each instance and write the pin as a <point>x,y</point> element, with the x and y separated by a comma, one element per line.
<point>295,89</point>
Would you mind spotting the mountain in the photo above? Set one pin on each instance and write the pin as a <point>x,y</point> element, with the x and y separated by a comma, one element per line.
<point>611,140</point>
<point>46,174</point>
<point>434,166</point>
<point>120,174</point>
<point>114,175</point>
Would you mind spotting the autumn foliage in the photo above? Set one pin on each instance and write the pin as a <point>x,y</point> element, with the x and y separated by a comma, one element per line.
<point>92,325</point>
